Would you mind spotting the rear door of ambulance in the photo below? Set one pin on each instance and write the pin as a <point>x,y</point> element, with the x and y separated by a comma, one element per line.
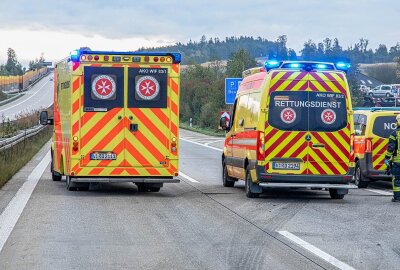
<point>383,124</point>
<point>286,128</point>
<point>307,129</point>
<point>329,124</point>
<point>125,120</point>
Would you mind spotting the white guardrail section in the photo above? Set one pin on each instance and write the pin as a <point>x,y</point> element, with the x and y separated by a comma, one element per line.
<point>21,136</point>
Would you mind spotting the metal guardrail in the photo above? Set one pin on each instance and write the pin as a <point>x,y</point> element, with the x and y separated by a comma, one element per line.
<point>23,135</point>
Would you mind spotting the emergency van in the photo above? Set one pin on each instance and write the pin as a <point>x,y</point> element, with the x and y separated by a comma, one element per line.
<point>372,127</point>
<point>291,127</point>
<point>116,118</point>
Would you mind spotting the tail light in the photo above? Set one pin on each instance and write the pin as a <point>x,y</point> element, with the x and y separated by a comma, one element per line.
<point>368,145</point>
<point>75,144</point>
<point>260,146</point>
<point>173,145</point>
<point>352,148</point>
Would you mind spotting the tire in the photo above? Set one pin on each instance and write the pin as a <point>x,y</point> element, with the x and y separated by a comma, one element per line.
<point>227,181</point>
<point>154,189</point>
<point>248,183</point>
<point>359,180</point>
<point>54,176</point>
<point>70,186</point>
<point>334,194</point>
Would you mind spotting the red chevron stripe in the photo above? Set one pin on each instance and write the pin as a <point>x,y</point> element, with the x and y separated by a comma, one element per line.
<point>175,68</point>
<point>289,145</point>
<point>96,171</point>
<point>99,125</point>
<point>75,106</point>
<point>175,87</point>
<point>136,154</point>
<point>322,82</point>
<point>315,164</point>
<point>335,82</point>
<point>296,81</point>
<point>76,84</point>
<point>345,151</point>
<point>151,126</point>
<point>331,151</point>
<point>303,146</point>
<point>75,128</point>
<point>325,161</point>
<point>280,81</point>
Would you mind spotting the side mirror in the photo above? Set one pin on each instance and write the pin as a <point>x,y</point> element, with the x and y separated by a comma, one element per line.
<point>44,119</point>
<point>224,123</point>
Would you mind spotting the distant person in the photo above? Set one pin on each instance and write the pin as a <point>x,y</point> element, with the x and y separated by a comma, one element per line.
<point>393,152</point>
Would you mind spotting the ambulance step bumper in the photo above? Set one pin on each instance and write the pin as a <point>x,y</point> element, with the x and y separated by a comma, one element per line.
<point>307,185</point>
<point>120,180</point>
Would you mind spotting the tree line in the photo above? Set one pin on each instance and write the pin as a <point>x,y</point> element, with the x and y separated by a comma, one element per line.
<point>326,50</point>
<point>12,67</point>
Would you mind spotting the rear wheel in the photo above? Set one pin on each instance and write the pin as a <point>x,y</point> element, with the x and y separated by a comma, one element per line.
<point>227,181</point>
<point>54,175</point>
<point>359,179</point>
<point>70,185</point>
<point>148,187</point>
<point>335,194</point>
<point>248,185</point>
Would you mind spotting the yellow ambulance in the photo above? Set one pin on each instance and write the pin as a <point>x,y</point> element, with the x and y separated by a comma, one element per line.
<point>116,118</point>
<point>291,127</point>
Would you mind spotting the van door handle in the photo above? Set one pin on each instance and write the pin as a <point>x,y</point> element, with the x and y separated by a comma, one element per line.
<point>318,145</point>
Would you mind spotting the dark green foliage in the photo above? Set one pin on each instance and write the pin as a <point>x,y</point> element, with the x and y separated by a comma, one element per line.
<point>239,61</point>
<point>14,158</point>
<point>202,95</point>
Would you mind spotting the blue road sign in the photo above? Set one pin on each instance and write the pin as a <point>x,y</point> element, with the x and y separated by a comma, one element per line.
<point>231,87</point>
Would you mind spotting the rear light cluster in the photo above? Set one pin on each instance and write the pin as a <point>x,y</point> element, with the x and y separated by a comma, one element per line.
<point>136,59</point>
<point>352,148</point>
<point>261,146</point>
<point>173,145</point>
<point>75,144</point>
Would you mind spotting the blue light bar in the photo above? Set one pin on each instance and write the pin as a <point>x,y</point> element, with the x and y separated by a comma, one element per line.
<point>321,66</point>
<point>75,55</point>
<point>343,66</point>
<point>295,65</point>
<point>272,64</point>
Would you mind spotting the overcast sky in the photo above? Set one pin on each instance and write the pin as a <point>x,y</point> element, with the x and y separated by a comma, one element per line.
<point>56,27</point>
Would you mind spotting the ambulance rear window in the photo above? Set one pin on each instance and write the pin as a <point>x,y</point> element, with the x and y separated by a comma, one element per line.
<point>307,111</point>
<point>384,126</point>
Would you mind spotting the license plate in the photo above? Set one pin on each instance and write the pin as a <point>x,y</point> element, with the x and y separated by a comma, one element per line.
<point>103,156</point>
<point>286,165</point>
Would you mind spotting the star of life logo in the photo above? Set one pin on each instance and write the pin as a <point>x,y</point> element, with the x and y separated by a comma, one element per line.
<point>288,115</point>
<point>147,88</point>
<point>103,87</point>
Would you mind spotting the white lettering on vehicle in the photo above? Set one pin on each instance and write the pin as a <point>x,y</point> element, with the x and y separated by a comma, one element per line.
<point>389,126</point>
<point>308,104</point>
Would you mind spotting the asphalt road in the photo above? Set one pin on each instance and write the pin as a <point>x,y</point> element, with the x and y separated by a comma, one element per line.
<point>197,224</point>
<point>37,97</point>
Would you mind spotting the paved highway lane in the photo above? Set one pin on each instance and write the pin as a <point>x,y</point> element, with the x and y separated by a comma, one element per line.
<point>197,224</point>
<point>38,96</point>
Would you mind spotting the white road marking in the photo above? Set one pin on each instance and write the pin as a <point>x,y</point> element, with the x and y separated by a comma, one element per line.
<point>214,148</point>
<point>213,142</point>
<point>32,95</point>
<point>187,177</point>
<point>14,209</point>
<point>316,251</point>
<point>381,192</point>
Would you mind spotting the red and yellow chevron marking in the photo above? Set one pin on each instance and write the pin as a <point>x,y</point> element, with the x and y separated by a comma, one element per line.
<point>379,146</point>
<point>327,82</point>
<point>288,80</point>
<point>275,148</point>
<point>143,153</point>
<point>334,157</point>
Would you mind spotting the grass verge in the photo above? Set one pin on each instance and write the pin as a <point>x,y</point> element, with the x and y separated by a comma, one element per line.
<point>14,158</point>
<point>203,130</point>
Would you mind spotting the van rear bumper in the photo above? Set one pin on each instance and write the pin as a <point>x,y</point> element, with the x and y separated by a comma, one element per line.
<point>314,181</point>
<point>367,169</point>
<point>155,180</point>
